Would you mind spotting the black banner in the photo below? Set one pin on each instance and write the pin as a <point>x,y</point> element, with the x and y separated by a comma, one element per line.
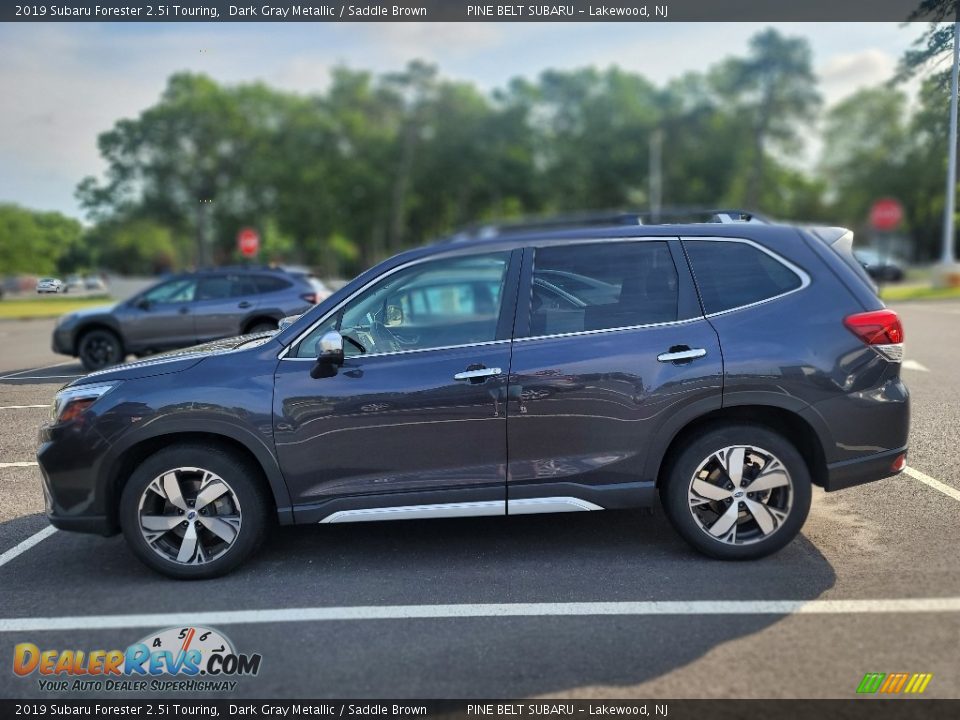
<point>867,709</point>
<point>464,10</point>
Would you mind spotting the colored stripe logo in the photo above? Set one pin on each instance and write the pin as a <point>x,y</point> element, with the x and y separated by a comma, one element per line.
<point>894,683</point>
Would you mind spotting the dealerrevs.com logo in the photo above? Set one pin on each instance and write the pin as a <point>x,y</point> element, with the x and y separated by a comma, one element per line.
<point>197,658</point>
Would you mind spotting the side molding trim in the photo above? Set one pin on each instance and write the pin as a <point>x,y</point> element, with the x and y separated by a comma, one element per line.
<point>526,506</point>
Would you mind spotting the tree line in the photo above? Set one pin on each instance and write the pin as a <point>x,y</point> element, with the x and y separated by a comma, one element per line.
<point>379,162</point>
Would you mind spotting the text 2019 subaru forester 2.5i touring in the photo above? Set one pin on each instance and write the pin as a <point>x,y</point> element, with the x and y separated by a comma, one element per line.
<point>725,369</point>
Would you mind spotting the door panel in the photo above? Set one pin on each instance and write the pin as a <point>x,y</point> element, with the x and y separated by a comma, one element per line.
<point>416,414</point>
<point>584,407</point>
<point>397,423</point>
<point>221,307</point>
<point>161,317</point>
<point>610,345</point>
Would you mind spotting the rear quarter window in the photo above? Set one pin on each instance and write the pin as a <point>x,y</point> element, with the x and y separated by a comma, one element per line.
<point>268,284</point>
<point>731,274</point>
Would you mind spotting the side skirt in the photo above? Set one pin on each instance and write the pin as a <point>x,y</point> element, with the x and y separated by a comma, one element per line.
<point>527,506</point>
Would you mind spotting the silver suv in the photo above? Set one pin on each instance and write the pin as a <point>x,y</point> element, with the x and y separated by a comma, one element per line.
<point>185,310</point>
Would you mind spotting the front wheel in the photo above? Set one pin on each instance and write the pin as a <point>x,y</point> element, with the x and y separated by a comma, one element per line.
<point>738,492</point>
<point>194,511</point>
<point>99,349</point>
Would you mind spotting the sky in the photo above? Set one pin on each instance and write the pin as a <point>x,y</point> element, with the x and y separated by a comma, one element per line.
<point>62,84</point>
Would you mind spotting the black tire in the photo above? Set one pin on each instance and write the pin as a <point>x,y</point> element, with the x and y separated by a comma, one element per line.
<point>261,326</point>
<point>99,348</point>
<point>254,508</point>
<point>749,539</point>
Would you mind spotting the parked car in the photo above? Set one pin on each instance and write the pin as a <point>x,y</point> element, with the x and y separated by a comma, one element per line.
<point>180,311</point>
<point>880,266</point>
<point>736,367</point>
<point>73,282</point>
<point>92,282</point>
<point>320,288</point>
<point>49,285</point>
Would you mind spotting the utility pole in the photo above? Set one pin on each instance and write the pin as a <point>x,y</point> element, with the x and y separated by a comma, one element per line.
<point>656,174</point>
<point>947,256</point>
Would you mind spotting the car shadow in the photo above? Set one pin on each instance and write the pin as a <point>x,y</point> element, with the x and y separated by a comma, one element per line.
<point>576,557</point>
<point>60,375</point>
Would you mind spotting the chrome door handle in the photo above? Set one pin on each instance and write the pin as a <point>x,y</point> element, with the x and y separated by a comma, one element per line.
<point>688,354</point>
<point>478,373</point>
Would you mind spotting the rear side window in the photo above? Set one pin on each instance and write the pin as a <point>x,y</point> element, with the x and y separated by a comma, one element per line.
<point>267,283</point>
<point>599,286</point>
<point>734,274</point>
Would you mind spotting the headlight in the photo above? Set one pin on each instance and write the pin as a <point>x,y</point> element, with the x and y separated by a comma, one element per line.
<point>69,403</point>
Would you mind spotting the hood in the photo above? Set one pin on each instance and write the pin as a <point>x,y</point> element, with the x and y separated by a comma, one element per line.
<point>175,361</point>
<point>89,311</point>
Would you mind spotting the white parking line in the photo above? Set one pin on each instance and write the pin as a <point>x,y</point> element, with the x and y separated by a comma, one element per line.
<point>22,407</point>
<point>13,376</point>
<point>914,365</point>
<point>28,463</point>
<point>404,612</point>
<point>932,482</point>
<point>39,377</point>
<point>18,550</point>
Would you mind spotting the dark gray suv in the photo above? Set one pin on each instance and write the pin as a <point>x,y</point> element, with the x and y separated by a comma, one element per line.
<point>184,310</point>
<point>721,370</point>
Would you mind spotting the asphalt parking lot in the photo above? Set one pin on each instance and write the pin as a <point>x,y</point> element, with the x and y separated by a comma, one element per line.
<point>585,605</point>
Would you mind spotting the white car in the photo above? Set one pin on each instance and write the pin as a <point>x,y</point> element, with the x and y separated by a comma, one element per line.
<point>49,285</point>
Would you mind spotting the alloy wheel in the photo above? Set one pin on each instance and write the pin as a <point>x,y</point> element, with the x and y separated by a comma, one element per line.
<point>99,351</point>
<point>189,516</point>
<point>740,495</point>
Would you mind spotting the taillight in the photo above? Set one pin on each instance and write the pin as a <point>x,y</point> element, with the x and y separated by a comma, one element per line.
<point>881,330</point>
<point>310,298</point>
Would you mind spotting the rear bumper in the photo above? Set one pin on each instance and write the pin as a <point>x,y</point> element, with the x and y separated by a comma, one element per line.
<point>862,470</point>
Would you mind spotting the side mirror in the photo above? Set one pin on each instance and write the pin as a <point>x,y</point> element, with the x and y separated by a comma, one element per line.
<point>142,303</point>
<point>329,355</point>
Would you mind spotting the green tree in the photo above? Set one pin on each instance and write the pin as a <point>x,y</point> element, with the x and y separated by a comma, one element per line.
<point>773,93</point>
<point>34,242</point>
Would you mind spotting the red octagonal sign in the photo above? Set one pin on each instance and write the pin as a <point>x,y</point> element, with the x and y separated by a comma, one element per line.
<point>248,242</point>
<point>886,214</point>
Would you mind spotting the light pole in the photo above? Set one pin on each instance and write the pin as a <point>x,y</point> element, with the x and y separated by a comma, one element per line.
<point>947,257</point>
<point>656,174</point>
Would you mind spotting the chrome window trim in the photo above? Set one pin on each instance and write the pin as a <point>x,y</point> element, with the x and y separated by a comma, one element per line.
<point>796,270</point>
<point>799,272</point>
<point>405,352</point>
<point>608,330</point>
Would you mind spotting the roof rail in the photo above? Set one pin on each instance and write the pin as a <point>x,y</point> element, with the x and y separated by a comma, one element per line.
<point>611,218</point>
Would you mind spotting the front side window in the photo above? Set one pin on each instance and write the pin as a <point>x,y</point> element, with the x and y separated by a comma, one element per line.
<point>434,304</point>
<point>175,291</point>
<point>599,286</point>
<point>734,274</point>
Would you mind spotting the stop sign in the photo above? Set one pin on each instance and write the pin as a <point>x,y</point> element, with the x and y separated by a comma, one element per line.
<point>248,242</point>
<point>886,214</point>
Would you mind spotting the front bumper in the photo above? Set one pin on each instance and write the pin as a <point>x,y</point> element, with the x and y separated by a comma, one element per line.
<point>74,490</point>
<point>862,470</point>
<point>62,342</point>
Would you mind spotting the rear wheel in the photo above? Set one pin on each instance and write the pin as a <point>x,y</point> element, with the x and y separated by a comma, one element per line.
<point>738,493</point>
<point>99,348</point>
<point>194,511</point>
